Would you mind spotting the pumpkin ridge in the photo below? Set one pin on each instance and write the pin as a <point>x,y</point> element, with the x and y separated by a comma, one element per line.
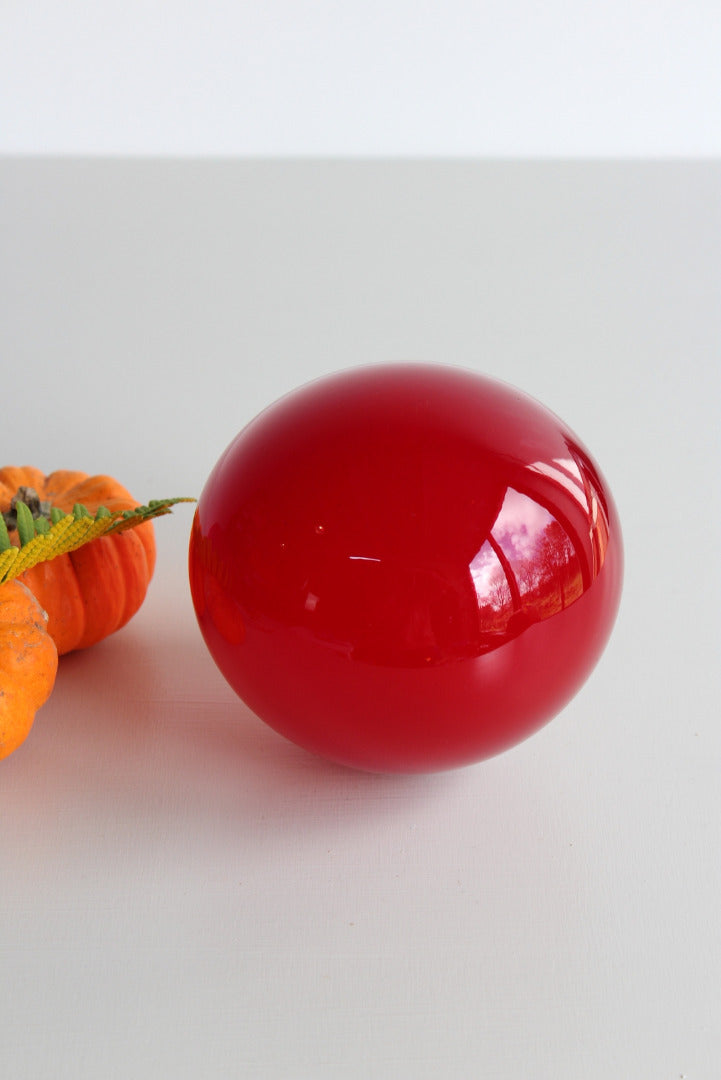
<point>14,476</point>
<point>145,533</point>
<point>56,585</point>
<point>92,492</point>
<point>60,481</point>
<point>102,588</point>
<point>135,572</point>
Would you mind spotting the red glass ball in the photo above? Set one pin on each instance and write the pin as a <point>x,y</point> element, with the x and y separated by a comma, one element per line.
<point>406,568</point>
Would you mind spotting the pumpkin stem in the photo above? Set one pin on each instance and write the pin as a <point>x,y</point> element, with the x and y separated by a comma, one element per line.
<point>28,497</point>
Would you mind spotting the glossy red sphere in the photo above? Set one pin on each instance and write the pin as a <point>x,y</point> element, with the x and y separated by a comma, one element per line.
<point>406,568</point>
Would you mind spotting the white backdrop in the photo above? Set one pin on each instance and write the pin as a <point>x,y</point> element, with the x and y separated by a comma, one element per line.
<point>185,894</point>
<point>318,77</point>
<point>182,892</point>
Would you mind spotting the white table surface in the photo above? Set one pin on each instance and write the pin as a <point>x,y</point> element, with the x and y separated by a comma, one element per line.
<point>185,894</point>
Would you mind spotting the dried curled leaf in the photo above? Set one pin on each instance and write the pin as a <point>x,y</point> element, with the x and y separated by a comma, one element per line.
<point>41,540</point>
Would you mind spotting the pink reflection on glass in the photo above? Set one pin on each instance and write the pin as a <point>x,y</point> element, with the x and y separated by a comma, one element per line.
<point>528,568</point>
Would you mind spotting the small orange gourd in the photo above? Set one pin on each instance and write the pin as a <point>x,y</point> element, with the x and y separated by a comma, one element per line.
<point>93,591</point>
<point>91,569</point>
<point>28,663</point>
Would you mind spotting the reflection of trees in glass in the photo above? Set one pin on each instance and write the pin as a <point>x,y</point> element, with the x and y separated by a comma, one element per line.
<point>554,554</point>
<point>546,581</point>
<point>529,576</point>
<point>547,545</point>
<point>498,591</point>
<point>554,573</point>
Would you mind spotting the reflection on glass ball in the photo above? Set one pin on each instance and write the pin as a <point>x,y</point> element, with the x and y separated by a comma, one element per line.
<point>406,567</point>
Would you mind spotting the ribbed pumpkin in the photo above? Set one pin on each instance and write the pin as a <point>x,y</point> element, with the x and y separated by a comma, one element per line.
<point>28,663</point>
<point>93,591</point>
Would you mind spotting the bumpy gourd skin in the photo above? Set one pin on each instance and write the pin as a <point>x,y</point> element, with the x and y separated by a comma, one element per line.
<point>28,663</point>
<point>94,591</point>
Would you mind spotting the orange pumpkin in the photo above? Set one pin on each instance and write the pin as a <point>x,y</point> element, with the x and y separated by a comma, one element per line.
<point>28,663</point>
<point>93,591</point>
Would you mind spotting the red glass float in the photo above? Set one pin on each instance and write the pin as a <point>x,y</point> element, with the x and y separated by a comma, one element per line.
<point>406,568</point>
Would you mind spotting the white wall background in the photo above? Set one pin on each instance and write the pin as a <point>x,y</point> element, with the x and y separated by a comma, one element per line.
<point>377,77</point>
